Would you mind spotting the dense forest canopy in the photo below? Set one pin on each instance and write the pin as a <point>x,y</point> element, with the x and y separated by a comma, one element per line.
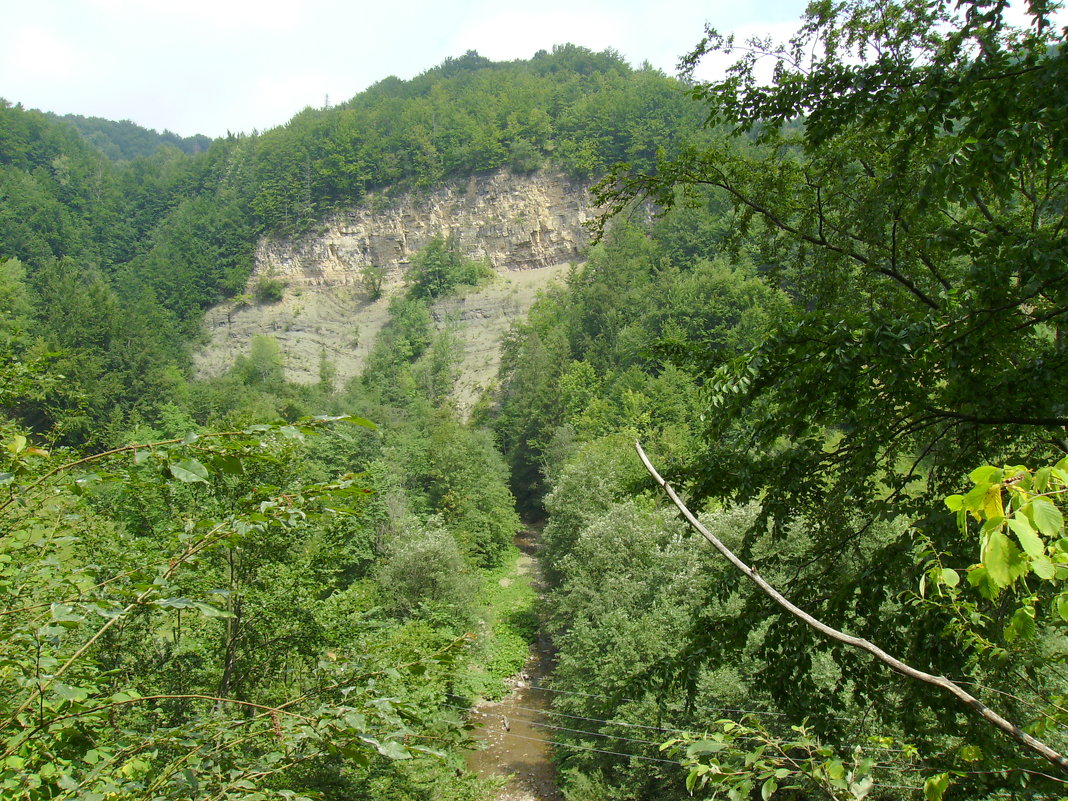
<point>841,333</point>
<point>169,234</point>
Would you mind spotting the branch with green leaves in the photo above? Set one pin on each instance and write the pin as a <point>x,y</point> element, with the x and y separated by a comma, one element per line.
<point>1014,731</point>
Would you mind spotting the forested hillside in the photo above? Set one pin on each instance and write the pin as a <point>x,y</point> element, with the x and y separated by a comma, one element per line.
<point>844,342</point>
<point>839,334</point>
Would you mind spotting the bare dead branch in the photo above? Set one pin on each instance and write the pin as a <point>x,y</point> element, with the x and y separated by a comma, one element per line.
<point>1009,728</point>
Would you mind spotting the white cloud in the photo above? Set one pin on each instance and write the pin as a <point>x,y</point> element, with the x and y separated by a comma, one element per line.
<point>37,50</point>
<point>277,15</point>
<point>519,33</point>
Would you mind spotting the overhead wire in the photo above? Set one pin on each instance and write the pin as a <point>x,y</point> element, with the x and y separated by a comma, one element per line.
<point>603,735</point>
<point>705,708</point>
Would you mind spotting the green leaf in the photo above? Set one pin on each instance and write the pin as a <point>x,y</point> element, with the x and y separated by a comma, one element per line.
<point>704,747</point>
<point>189,471</point>
<point>1022,625</point>
<point>768,789</point>
<point>955,502</point>
<point>835,769</point>
<point>289,432</point>
<point>950,577</point>
<point>935,787</point>
<point>1047,517</point>
<point>971,753</point>
<point>70,693</point>
<point>1044,568</point>
<point>1002,559</point>
<point>228,464</point>
<point>1030,541</point>
<point>62,613</point>
<point>207,610</point>
<point>691,779</point>
<point>392,750</point>
<point>986,475</point>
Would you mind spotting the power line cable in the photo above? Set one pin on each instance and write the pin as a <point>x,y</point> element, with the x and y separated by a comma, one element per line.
<point>588,733</point>
<point>705,708</point>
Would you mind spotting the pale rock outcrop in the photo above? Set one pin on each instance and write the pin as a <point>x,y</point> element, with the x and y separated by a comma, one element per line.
<point>528,228</point>
<point>514,222</point>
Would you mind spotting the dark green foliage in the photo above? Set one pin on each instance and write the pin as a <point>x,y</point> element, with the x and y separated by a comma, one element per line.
<point>440,267</point>
<point>125,140</point>
<point>902,324</point>
<point>602,355</point>
<point>269,290</point>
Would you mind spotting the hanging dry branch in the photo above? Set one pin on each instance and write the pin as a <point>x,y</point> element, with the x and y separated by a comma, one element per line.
<point>1011,729</point>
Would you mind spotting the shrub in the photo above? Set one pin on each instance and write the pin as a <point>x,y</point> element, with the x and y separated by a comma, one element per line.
<point>269,290</point>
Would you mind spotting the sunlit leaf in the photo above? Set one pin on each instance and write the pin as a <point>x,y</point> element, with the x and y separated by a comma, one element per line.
<point>189,471</point>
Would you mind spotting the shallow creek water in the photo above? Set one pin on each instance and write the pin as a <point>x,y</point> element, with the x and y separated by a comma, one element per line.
<point>515,746</point>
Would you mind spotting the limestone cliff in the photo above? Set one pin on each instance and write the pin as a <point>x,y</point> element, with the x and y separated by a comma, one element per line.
<point>514,222</point>
<point>529,228</point>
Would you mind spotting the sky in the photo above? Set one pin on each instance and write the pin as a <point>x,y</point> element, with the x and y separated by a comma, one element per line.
<point>213,66</point>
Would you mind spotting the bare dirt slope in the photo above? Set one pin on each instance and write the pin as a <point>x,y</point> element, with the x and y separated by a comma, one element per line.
<point>343,323</point>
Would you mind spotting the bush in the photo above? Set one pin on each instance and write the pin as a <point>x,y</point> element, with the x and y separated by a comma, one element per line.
<point>440,267</point>
<point>269,290</point>
<point>426,576</point>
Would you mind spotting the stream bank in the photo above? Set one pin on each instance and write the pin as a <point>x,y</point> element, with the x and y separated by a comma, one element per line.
<point>512,731</point>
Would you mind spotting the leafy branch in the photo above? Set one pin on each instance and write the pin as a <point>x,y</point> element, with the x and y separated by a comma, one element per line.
<point>1011,729</point>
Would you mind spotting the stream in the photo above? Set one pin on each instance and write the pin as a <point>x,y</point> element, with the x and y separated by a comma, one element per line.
<point>514,744</point>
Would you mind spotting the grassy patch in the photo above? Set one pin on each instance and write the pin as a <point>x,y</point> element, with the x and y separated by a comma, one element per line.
<point>509,625</point>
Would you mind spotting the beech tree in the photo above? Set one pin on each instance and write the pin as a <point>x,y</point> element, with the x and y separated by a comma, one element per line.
<point>902,176</point>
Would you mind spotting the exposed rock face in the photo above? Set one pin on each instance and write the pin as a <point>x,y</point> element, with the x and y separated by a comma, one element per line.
<point>514,222</point>
<point>529,228</point>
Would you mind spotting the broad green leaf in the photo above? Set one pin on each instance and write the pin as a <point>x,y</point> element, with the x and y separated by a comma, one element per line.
<point>189,471</point>
<point>1040,482</point>
<point>935,787</point>
<point>210,611</point>
<point>1047,517</point>
<point>1030,541</point>
<point>69,693</point>
<point>955,502</point>
<point>1061,604</point>
<point>861,788</point>
<point>290,432</point>
<point>1044,568</point>
<point>62,613</point>
<point>1022,625</point>
<point>228,464</point>
<point>971,753</point>
<point>986,474</point>
<point>950,577</point>
<point>835,769</point>
<point>704,747</point>
<point>392,750</point>
<point>1002,559</point>
<point>768,789</point>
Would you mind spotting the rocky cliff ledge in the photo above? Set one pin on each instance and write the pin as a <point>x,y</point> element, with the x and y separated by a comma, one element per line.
<point>514,222</point>
<point>529,228</point>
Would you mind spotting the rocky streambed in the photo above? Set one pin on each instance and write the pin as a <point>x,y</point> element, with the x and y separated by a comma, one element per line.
<point>513,731</point>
